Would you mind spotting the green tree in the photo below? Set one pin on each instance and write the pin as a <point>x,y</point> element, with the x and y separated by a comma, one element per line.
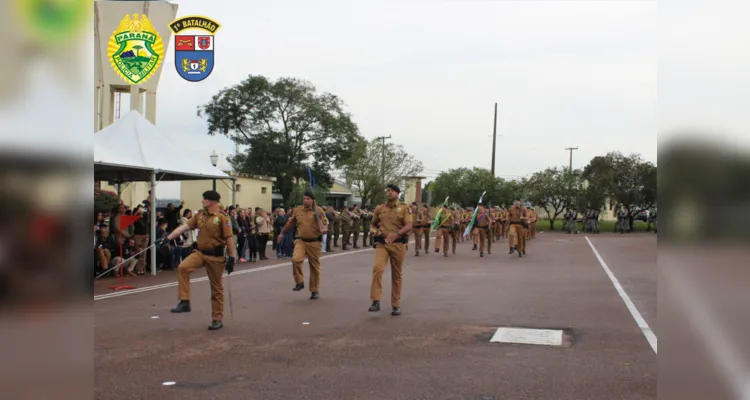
<point>553,190</point>
<point>298,192</point>
<point>288,127</point>
<point>628,180</point>
<point>464,186</point>
<point>104,200</point>
<point>138,50</point>
<point>365,173</point>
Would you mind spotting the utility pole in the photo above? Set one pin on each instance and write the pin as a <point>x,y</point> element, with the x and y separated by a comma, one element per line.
<point>494,138</point>
<point>382,160</point>
<point>570,165</point>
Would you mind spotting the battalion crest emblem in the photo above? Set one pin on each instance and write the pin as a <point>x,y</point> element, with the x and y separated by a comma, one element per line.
<point>135,49</point>
<point>194,51</point>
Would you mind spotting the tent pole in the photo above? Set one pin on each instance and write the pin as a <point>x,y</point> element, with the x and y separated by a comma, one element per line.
<point>152,217</point>
<point>234,191</point>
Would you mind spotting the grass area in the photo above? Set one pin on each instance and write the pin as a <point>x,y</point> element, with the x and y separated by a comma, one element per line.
<point>604,226</point>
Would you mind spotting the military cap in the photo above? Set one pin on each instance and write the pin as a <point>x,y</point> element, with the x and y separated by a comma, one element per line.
<point>211,195</point>
<point>394,188</point>
<point>310,195</point>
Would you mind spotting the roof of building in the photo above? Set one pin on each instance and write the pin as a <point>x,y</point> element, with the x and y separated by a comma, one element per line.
<point>252,176</point>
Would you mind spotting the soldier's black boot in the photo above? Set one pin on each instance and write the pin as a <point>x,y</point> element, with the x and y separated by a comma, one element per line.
<point>396,311</point>
<point>182,306</point>
<point>481,254</point>
<point>314,295</point>
<point>298,287</point>
<point>511,250</point>
<point>474,248</point>
<point>416,254</point>
<point>375,307</point>
<point>215,325</point>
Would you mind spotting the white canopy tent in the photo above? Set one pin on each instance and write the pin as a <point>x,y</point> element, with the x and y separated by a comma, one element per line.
<point>133,150</point>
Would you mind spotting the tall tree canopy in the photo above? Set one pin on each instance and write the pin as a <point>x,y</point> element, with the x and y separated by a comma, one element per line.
<point>464,186</point>
<point>628,180</point>
<point>368,174</point>
<point>288,127</point>
<point>554,190</point>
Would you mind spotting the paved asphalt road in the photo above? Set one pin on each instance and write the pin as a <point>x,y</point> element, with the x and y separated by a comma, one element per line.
<point>438,349</point>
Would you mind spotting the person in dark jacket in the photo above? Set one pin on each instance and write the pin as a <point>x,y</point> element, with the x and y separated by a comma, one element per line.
<point>278,225</point>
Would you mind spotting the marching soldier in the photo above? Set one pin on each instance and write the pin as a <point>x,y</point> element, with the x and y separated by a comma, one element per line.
<point>445,227</point>
<point>336,227</point>
<point>330,216</point>
<point>427,226</point>
<point>366,220</point>
<point>346,227</point>
<point>356,224</point>
<point>457,232</point>
<point>532,224</point>
<point>440,215</point>
<point>624,221</point>
<point>214,238</point>
<point>483,230</point>
<point>310,226</point>
<point>417,227</point>
<point>392,222</point>
<point>516,235</point>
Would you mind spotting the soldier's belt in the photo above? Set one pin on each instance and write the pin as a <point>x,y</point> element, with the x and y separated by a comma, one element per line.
<point>317,239</point>
<point>216,252</point>
<point>483,227</point>
<point>381,239</point>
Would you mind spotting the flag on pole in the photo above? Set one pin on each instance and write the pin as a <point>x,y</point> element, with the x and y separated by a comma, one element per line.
<point>436,221</point>
<point>474,216</point>
<point>312,180</point>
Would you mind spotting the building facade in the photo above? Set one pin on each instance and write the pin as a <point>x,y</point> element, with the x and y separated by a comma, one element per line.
<point>251,191</point>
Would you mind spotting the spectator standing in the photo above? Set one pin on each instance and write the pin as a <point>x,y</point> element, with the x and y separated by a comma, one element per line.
<point>140,233</point>
<point>189,235</point>
<point>263,226</point>
<point>278,225</point>
<point>173,216</point>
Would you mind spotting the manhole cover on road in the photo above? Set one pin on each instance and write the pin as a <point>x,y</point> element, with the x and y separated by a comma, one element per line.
<point>544,337</point>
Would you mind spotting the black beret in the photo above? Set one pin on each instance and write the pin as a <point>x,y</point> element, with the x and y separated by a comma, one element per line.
<point>310,195</point>
<point>211,195</point>
<point>414,203</point>
<point>394,188</point>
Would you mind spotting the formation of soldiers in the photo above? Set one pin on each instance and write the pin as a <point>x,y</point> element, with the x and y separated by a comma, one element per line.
<point>491,225</point>
<point>387,229</point>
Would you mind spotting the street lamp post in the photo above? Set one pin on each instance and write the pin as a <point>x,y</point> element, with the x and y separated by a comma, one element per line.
<point>214,161</point>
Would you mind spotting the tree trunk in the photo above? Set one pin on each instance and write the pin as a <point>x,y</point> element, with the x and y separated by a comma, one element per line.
<point>552,224</point>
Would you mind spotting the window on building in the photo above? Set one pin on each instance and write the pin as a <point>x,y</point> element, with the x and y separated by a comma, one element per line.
<point>237,187</point>
<point>263,190</point>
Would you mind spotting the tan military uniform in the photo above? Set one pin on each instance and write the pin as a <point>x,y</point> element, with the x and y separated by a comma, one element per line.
<point>445,227</point>
<point>482,224</point>
<point>307,243</point>
<point>427,228</point>
<point>214,230</point>
<point>356,226</point>
<point>389,218</point>
<point>456,232</point>
<point>420,221</point>
<point>517,234</point>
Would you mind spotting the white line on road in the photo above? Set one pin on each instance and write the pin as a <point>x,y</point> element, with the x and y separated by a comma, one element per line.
<point>205,278</point>
<point>647,332</point>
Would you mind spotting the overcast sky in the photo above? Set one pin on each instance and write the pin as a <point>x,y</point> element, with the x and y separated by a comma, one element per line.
<point>428,73</point>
